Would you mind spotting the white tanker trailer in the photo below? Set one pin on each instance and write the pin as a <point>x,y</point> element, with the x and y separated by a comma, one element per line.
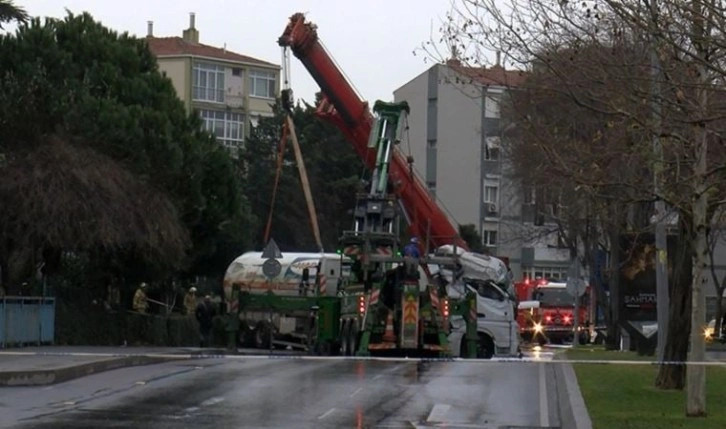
<point>274,314</point>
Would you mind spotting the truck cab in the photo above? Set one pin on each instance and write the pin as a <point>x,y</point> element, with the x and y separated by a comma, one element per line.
<point>497,327</point>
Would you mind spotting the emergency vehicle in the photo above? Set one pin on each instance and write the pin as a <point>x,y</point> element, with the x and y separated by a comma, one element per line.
<point>546,312</point>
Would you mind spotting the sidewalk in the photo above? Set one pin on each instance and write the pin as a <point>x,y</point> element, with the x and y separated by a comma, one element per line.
<point>37,366</point>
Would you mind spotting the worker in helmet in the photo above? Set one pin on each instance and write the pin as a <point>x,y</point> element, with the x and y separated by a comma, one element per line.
<point>411,249</point>
<point>190,300</point>
<point>141,302</point>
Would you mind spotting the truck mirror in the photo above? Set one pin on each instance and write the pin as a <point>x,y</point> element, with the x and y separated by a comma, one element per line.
<point>305,274</point>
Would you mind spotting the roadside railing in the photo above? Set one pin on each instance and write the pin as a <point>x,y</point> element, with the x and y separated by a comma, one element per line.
<point>26,320</point>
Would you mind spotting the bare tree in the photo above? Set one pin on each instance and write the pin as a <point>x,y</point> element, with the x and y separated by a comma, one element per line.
<point>683,113</point>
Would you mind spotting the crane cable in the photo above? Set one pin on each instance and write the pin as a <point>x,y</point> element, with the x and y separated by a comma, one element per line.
<point>305,183</point>
<point>278,171</point>
<point>288,130</point>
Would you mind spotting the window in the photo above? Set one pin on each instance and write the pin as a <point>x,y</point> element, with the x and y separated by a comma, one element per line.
<point>208,83</point>
<point>546,273</point>
<point>228,127</point>
<point>553,297</point>
<point>492,106</point>
<point>262,84</point>
<point>492,149</point>
<point>490,237</point>
<point>491,194</point>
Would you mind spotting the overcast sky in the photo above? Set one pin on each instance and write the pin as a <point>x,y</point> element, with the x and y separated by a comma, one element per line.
<point>371,40</point>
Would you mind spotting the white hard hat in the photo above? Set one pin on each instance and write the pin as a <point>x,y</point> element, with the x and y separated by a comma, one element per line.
<point>192,289</point>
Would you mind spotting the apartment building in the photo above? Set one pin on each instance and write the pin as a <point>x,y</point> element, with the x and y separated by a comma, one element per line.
<point>455,133</point>
<point>231,91</point>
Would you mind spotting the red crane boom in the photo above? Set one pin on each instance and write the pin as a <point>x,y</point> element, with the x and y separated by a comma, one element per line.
<point>342,106</point>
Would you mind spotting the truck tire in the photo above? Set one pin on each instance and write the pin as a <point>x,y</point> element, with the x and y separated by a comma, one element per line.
<point>263,335</point>
<point>344,343</point>
<point>353,338</point>
<point>485,347</point>
<point>246,335</point>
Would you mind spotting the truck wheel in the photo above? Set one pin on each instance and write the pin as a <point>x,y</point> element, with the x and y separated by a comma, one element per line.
<point>344,342</point>
<point>353,338</point>
<point>263,335</point>
<point>246,335</point>
<point>485,347</point>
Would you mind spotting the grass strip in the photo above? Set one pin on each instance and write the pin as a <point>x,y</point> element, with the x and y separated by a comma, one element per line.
<point>625,397</point>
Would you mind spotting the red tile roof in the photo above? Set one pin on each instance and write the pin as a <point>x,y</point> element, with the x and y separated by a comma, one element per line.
<point>169,46</point>
<point>495,75</point>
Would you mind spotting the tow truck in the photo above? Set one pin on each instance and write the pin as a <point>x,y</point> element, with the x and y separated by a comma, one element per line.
<point>452,300</point>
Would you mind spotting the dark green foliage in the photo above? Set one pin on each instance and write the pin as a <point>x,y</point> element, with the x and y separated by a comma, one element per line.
<point>77,78</point>
<point>472,237</point>
<point>334,171</point>
<point>10,12</point>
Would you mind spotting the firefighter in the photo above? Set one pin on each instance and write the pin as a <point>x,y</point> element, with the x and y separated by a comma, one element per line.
<point>141,303</point>
<point>190,301</point>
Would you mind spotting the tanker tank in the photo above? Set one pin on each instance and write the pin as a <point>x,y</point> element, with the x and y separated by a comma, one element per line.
<point>246,271</point>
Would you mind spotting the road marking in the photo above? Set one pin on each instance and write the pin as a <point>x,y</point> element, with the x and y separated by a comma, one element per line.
<point>438,413</point>
<point>326,414</point>
<point>191,409</point>
<point>212,401</point>
<point>357,391</point>
<point>141,383</point>
<point>544,419</point>
<point>434,425</point>
<point>388,371</point>
<point>69,403</point>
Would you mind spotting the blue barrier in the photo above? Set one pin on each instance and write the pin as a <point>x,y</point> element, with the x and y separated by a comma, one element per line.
<point>26,320</point>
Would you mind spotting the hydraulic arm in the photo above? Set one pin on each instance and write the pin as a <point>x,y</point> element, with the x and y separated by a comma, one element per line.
<point>344,107</point>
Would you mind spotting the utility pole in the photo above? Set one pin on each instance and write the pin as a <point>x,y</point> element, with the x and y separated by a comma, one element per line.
<point>661,241</point>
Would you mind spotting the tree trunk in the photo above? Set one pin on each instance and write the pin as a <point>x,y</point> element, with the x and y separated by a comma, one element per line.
<point>719,308</point>
<point>613,335</point>
<point>696,374</point>
<point>676,347</point>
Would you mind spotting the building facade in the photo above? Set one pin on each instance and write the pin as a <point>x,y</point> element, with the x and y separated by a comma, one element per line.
<point>230,91</point>
<point>455,133</point>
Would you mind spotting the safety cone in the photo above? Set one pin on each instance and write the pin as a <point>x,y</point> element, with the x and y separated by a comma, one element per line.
<point>389,336</point>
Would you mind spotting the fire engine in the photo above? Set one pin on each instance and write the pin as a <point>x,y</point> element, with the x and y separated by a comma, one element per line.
<point>546,312</point>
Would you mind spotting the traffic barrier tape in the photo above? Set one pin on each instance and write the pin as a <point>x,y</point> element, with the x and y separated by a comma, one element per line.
<point>526,359</point>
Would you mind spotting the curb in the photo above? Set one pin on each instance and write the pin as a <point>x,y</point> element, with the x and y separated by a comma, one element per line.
<point>59,375</point>
<point>571,404</point>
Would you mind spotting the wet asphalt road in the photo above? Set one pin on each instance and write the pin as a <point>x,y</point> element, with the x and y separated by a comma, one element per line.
<point>293,393</point>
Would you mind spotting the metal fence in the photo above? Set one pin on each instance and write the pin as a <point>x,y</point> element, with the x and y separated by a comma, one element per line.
<point>26,320</point>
